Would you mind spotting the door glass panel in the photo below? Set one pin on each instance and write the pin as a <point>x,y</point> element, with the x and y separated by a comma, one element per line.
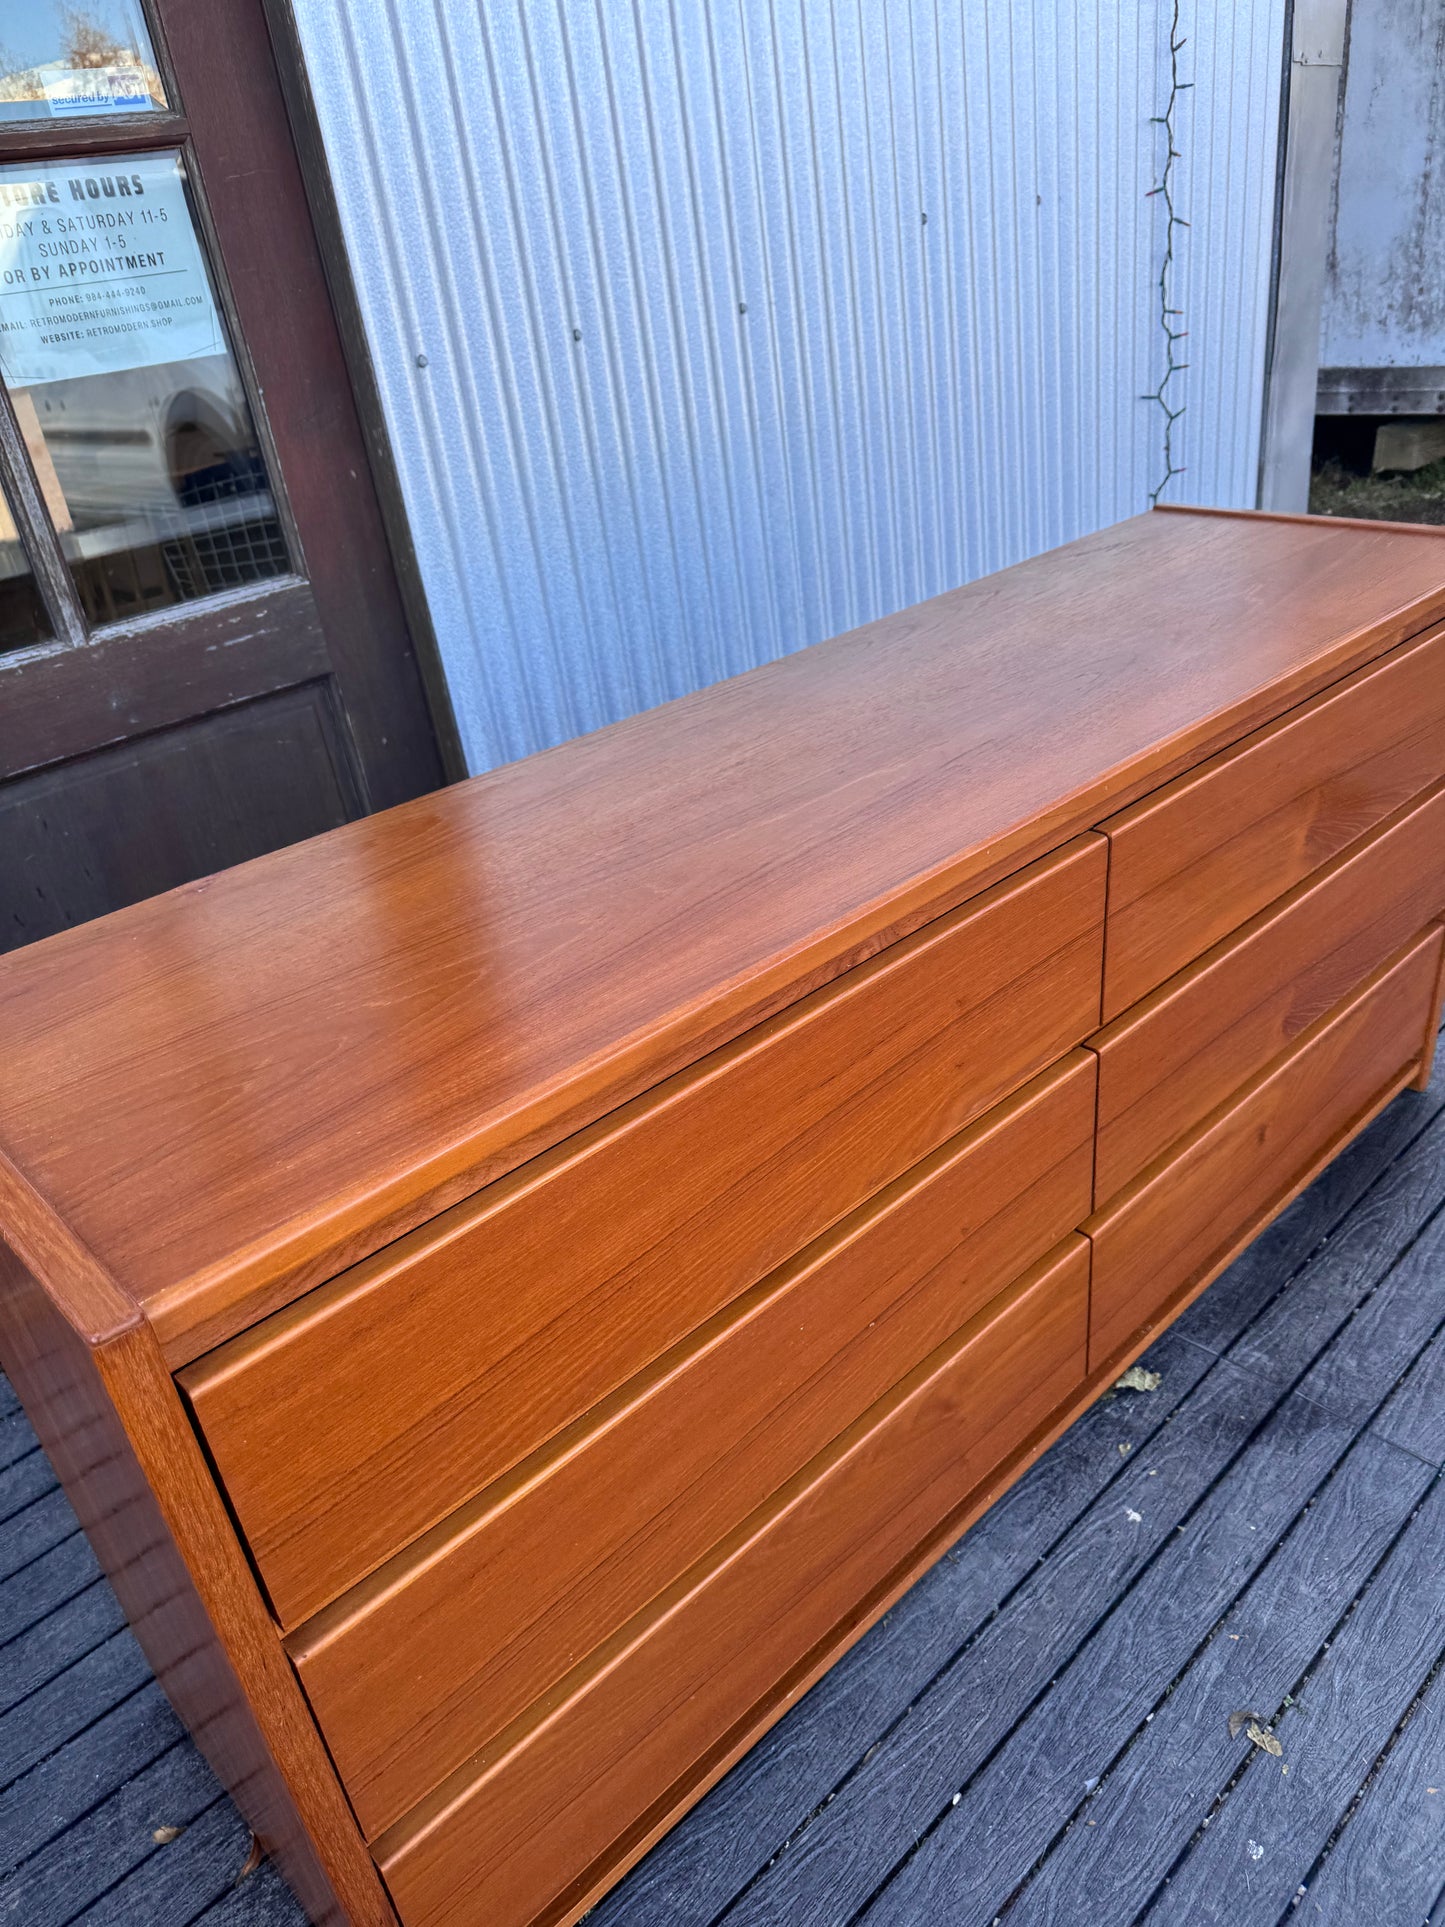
<point>64,61</point>
<point>22,614</point>
<point>114,350</point>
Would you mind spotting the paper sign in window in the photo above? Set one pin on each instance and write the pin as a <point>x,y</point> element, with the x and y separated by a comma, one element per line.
<point>134,416</point>
<point>101,270</point>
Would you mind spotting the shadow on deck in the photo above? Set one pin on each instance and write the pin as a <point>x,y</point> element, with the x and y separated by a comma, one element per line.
<point>1040,1731</point>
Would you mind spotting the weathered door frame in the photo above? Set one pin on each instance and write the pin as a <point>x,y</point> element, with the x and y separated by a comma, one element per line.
<point>1316,43</point>
<point>254,212</point>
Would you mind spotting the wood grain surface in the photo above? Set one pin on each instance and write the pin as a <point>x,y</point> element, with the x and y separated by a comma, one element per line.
<point>530,1819</point>
<point>1390,1860</point>
<point>1192,862</point>
<point>112,1423</point>
<point>1171,1770</point>
<point>1185,1214</point>
<point>957,1665</point>
<point>1426,1071</point>
<point>236,1089</point>
<point>345,1426</point>
<point>718,1848</point>
<point>1058,1670</point>
<point>958,1721</point>
<point>1170,1059</point>
<point>985,1846</point>
<point>1346,1712</point>
<point>413,1673</point>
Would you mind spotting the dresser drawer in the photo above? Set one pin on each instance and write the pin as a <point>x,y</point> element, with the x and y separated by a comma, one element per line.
<point>714,1659</point>
<point>414,1671</point>
<point>1166,1236</point>
<point>1168,1062</point>
<point>350,1423</point>
<point>1196,859</point>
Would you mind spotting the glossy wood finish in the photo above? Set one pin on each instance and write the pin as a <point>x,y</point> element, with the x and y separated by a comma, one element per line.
<point>114,1427</point>
<point>1183,1218</point>
<point>1191,863</point>
<point>415,1672</point>
<point>1171,1059</point>
<point>532,1818</point>
<point>561,1200</point>
<point>234,1091</point>
<point>353,1421</point>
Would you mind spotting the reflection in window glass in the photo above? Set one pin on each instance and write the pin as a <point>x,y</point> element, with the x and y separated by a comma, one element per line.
<point>22,614</point>
<point>115,354</point>
<point>63,59</point>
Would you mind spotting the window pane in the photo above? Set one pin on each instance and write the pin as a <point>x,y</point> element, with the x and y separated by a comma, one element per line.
<point>22,614</point>
<point>60,60</point>
<point>115,354</point>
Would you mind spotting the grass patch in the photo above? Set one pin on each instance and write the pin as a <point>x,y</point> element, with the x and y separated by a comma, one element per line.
<point>1416,497</point>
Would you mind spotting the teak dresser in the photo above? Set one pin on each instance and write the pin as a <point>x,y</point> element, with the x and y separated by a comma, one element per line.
<point>515,1286</point>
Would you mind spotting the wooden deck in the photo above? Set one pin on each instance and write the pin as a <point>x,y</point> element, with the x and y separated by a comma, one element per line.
<point>1040,1731</point>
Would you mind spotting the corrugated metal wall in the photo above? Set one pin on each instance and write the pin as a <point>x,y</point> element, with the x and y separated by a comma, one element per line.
<point>710,328</point>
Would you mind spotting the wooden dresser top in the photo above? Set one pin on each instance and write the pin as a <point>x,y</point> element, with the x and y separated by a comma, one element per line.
<point>214,1099</point>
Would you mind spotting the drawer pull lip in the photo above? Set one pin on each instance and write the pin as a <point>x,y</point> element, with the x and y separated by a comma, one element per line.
<point>1192,1209</point>
<point>503,1598</point>
<point>1196,858</point>
<point>358,1418</point>
<point>1182,1049</point>
<point>435,1544</point>
<point>1054,1292</point>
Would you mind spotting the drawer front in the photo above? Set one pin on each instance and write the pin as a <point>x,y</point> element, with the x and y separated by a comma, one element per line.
<point>1169,1234</point>
<point>412,1676</point>
<point>352,1422</point>
<point>547,1812</point>
<point>1195,860</point>
<point>1166,1064</point>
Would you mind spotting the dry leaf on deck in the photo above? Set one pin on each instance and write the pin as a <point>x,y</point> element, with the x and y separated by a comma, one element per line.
<point>1136,1379</point>
<point>1254,1728</point>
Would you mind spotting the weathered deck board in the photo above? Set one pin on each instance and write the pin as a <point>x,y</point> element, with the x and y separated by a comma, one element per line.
<point>993,1838</point>
<point>45,1584</point>
<point>1067,1671</point>
<point>30,1483</point>
<point>1245,1870</point>
<point>1414,1414</point>
<point>1126,1834</point>
<point>696,1871</point>
<point>61,1790</point>
<point>843,1856</point>
<point>1389,1862</point>
<point>71,1704</point>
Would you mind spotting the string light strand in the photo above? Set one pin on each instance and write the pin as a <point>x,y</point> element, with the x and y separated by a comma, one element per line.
<point>1170,315</point>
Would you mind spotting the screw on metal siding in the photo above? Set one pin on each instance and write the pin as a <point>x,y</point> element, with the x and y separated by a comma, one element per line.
<point>576,334</point>
<point>1168,314</point>
<point>421,361</point>
<point>742,307</point>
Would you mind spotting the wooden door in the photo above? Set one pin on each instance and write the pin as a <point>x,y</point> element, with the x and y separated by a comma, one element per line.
<point>203,649</point>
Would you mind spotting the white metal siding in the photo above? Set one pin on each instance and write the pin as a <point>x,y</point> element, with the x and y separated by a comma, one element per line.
<point>701,383</point>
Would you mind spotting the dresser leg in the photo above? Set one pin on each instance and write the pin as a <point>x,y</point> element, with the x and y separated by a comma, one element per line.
<point>1432,1031</point>
<point>96,1389</point>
